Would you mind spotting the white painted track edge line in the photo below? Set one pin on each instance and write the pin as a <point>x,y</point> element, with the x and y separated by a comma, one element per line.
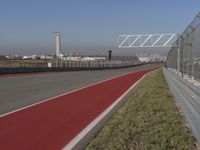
<point>86,130</point>
<point>52,98</point>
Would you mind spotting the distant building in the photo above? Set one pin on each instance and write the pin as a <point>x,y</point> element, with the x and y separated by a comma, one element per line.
<point>151,57</point>
<point>157,58</point>
<point>71,58</point>
<point>82,58</point>
<point>13,57</point>
<point>31,57</point>
<point>46,57</point>
<point>26,57</point>
<point>144,59</point>
<point>93,58</point>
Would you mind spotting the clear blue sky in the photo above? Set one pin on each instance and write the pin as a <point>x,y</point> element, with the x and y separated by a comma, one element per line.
<point>87,26</point>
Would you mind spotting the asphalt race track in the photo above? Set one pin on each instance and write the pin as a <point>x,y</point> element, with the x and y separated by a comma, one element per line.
<point>54,123</point>
<point>20,91</point>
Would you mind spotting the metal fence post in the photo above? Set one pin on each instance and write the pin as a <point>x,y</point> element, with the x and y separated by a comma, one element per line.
<point>178,55</point>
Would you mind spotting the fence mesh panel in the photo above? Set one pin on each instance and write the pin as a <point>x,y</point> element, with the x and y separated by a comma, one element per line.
<point>189,51</point>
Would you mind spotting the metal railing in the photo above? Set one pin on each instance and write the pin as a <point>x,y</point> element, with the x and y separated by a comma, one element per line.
<point>186,57</point>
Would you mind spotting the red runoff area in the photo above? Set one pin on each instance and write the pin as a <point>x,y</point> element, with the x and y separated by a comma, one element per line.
<point>54,123</point>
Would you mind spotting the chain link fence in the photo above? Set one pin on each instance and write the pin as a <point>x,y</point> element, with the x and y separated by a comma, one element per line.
<point>117,61</point>
<point>185,58</point>
<point>61,62</point>
<point>58,64</point>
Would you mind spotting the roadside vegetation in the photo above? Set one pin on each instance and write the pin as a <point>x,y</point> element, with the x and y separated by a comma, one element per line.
<point>149,120</point>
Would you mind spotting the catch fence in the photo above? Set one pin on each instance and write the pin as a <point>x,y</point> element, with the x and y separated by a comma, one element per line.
<point>58,64</point>
<point>185,58</point>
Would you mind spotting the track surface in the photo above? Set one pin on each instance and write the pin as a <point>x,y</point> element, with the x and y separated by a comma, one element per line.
<point>52,124</point>
<point>21,91</point>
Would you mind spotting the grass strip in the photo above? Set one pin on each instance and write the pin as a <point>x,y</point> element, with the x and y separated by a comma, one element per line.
<point>149,120</point>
